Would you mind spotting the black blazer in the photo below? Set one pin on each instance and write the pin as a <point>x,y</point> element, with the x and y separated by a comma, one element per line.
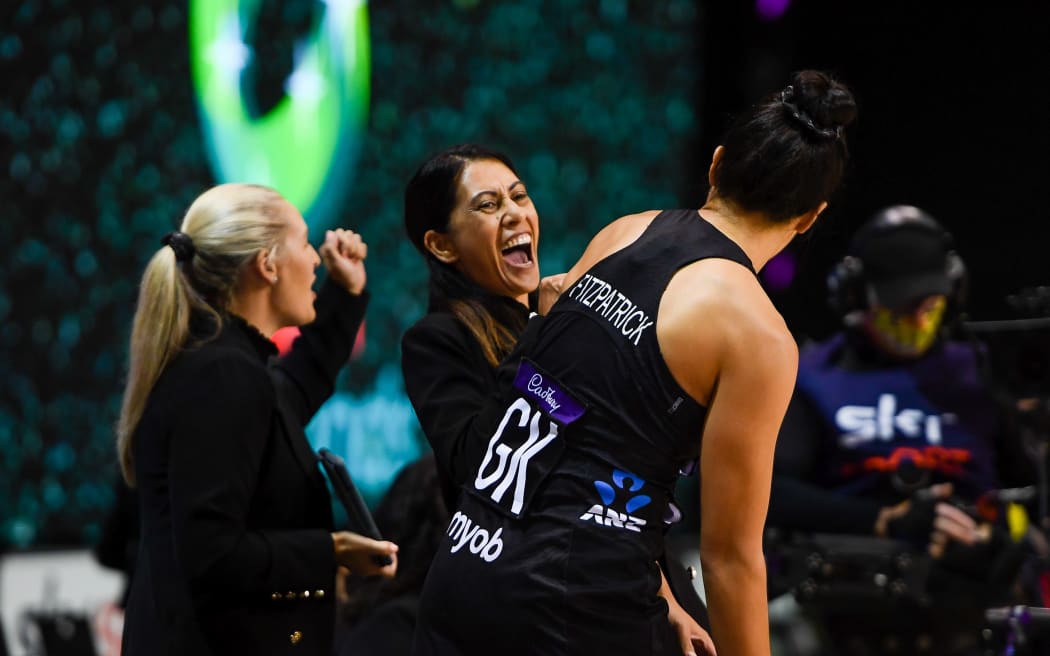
<point>448,381</point>
<point>236,553</point>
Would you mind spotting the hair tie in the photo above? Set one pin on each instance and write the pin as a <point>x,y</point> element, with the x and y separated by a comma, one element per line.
<point>787,98</point>
<point>181,243</point>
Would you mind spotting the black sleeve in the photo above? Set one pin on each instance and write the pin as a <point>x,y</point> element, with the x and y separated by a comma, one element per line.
<point>448,383</point>
<point>305,377</point>
<point>796,501</point>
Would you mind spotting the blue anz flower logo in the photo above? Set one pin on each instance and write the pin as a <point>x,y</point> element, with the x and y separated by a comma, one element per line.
<point>604,515</point>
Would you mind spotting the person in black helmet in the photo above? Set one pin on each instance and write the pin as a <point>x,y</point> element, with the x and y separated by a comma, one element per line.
<point>892,432</point>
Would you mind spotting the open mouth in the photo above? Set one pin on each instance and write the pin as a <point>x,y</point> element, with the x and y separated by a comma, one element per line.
<point>518,251</point>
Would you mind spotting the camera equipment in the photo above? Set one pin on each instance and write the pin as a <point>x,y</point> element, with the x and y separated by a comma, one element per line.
<point>1019,625</point>
<point>1015,355</point>
<point>866,574</point>
<point>1015,362</point>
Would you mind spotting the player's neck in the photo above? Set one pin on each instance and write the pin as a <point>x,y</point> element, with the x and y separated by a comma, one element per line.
<point>751,231</point>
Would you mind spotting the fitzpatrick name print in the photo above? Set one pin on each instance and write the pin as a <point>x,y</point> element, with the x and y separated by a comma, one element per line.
<point>610,304</point>
<point>480,542</point>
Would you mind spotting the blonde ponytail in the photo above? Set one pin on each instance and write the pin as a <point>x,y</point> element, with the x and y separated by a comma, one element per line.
<point>158,330</point>
<point>228,226</point>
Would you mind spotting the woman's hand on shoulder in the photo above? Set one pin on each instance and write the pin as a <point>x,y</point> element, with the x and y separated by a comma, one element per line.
<point>343,253</point>
<point>355,552</point>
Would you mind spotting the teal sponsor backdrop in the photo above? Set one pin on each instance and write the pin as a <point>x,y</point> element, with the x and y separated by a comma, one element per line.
<point>104,142</point>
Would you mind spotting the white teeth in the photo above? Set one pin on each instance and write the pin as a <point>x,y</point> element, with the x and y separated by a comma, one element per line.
<point>517,241</point>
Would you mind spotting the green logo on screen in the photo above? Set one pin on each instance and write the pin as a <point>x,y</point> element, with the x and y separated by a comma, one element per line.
<point>304,141</point>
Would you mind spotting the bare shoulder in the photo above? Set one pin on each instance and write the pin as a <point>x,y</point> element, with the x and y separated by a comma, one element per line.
<point>626,228</point>
<point>615,236</point>
<point>714,315</point>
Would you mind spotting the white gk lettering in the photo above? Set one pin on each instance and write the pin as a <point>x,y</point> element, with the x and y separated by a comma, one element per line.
<point>464,532</point>
<point>862,424</point>
<point>513,470</point>
<point>611,305</point>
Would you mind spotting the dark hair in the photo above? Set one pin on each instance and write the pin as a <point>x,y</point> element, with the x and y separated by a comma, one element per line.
<point>429,199</point>
<point>788,153</point>
<point>431,193</point>
<point>412,514</point>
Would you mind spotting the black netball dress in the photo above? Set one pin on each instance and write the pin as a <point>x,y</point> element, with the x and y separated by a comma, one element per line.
<point>553,547</point>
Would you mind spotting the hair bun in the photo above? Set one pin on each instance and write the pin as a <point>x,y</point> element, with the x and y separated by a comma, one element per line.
<point>826,103</point>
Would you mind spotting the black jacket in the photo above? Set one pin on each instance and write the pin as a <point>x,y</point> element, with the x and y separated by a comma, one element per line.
<point>236,555</point>
<point>448,381</point>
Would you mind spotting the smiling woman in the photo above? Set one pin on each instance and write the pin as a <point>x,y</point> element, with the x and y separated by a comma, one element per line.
<point>492,231</point>
<point>472,219</point>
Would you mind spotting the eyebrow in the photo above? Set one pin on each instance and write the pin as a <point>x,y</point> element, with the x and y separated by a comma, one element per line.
<point>486,192</point>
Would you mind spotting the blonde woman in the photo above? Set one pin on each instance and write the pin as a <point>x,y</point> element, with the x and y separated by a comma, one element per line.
<point>237,553</point>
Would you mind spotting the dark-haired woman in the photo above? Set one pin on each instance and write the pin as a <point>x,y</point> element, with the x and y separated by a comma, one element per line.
<point>472,219</point>
<point>661,343</point>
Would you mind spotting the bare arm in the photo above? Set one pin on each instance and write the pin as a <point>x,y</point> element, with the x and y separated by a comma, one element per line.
<point>736,466</point>
<point>745,377</point>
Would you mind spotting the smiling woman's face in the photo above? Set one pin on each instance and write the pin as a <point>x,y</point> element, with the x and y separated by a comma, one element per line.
<point>494,230</point>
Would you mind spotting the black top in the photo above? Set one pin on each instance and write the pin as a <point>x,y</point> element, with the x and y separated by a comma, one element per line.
<point>236,554</point>
<point>562,520</point>
<point>600,340</point>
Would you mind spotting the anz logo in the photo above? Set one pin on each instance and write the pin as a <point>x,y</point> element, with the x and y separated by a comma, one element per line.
<point>605,515</point>
<point>861,424</point>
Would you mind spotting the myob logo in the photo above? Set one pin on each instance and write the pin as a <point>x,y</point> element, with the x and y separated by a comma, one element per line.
<point>883,421</point>
<point>465,533</point>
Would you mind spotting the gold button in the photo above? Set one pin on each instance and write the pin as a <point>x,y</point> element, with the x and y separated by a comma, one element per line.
<point>295,637</point>
<point>276,596</point>
<point>319,594</point>
<point>306,594</point>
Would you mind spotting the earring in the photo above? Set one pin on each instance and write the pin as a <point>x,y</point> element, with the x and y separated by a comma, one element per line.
<point>275,279</point>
